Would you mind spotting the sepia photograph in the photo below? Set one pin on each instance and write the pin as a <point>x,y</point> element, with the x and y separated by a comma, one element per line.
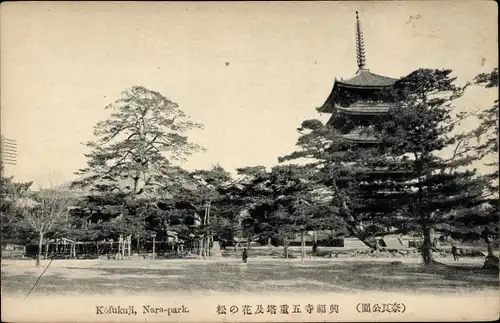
<point>280,161</point>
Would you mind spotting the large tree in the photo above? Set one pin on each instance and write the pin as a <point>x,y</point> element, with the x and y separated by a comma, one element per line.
<point>131,158</point>
<point>208,186</point>
<point>136,144</point>
<point>417,133</point>
<point>349,170</point>
<point>195,208</point>
<point>481,146</point>
<point>487,134</point>
<point>283,202</point>
<point>397,183</point>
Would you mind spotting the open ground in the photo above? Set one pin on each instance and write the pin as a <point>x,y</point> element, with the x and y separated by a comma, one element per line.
<point>258,275</point>
<point>71,289</point>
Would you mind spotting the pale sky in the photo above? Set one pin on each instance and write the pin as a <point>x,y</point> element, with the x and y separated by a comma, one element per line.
<point>62,63</point>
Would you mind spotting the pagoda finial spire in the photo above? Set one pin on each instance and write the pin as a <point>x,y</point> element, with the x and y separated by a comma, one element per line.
<point>360,45</point>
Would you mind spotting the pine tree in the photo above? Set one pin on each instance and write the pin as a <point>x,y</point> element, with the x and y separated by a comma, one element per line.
<point>398,183</point>
<point>350,171</point>
<point>416,132</point>
<point>283,202</point>
<point>488,130</point>
<point>481,145</point>
<point>209,203</point>
<point>130,162</point>
<point>136,144</point>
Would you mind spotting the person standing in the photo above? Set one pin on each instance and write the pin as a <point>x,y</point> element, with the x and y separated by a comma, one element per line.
<point>244,255</point>
<point>454,252</point>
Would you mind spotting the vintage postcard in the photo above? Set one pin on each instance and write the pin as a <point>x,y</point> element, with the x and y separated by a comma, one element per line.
<point>249,161</point>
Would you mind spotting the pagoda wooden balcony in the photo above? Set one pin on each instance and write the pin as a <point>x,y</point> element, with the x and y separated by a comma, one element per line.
<point>365,108</point>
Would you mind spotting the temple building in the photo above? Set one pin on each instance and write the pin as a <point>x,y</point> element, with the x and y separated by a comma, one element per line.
<point>357,102</point>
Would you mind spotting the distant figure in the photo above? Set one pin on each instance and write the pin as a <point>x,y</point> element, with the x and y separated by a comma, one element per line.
<point>315,248</point>
<point>454,252</point>
<point>244,255</point>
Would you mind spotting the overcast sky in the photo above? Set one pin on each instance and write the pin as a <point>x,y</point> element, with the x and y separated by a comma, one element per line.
<point>250,72</point>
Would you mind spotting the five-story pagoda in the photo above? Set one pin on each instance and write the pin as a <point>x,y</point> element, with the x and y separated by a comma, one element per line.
<point>358,102</point>
<point>356,105</point>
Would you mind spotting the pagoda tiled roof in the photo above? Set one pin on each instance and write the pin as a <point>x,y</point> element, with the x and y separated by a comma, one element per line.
<point>365,108</point>
<point>363,83</point>
<point>365,78</point>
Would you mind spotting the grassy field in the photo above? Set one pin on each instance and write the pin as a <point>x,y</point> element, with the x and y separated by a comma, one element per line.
<point>92,277</point>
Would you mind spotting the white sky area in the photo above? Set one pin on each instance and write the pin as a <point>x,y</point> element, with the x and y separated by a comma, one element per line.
<point>62,63</point>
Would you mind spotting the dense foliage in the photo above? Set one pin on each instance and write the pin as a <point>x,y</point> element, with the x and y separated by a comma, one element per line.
<point>397,182</point>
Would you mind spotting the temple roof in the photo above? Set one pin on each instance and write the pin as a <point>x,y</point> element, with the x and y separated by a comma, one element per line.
<point>363,82</point>
<point>364,78</point>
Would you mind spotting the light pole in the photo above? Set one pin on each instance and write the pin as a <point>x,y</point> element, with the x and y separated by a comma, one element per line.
<point>154,242</point>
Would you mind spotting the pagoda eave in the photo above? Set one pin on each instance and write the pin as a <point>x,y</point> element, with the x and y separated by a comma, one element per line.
<point>358,86</point>
<point>325,108</point>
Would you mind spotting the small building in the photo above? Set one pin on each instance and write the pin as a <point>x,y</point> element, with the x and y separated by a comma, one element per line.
<point>354,243</point>
<point>393,242</point>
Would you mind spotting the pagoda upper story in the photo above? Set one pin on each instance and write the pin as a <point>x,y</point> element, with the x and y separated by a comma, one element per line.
<point>357,102</point>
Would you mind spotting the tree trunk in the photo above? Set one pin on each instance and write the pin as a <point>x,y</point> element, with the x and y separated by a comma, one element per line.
<point>129,244</point>
<point>202,248</point>
<point>97,249</point>
<point>488,244</point>
<point>119,246</point>
<point>368,241</point>
<point>490,248</point>
<point>491,261</point>
<point>302,246</point>
<point>123,249</point>
<point>204,239</point>
<point>432,236</point>
<point>39,252</point>
<point>207,245</point>
<point>286,247</point>
<point>427,246</point>
<point>209,236</point>
<point>46,255</point>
